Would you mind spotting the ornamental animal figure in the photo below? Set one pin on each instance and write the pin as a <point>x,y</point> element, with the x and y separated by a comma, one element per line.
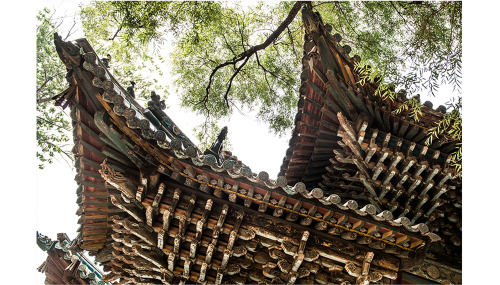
<point>106,60</point>
<point>216,147</point>
<point>130,89</point>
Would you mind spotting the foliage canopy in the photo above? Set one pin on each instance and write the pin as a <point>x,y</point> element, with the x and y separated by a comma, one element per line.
<point>53,128</point>
<point>413,45</point>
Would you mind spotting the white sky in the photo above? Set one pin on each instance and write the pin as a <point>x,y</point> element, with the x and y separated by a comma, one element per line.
<point>53,202</point>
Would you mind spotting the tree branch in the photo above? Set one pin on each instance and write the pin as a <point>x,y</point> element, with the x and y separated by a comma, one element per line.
<point>116,34</point>
<point>53,124</point>
<point>231,80</point>
<point>272,73</point>
<point>227,45</point>
<point>319,4</point>
<point>291,41</point>
<point>347,20</point>
<point>400,15</point>
<point>47,80</point>
<point>61,151</point>
<point>358,37</point>
<point>43,100</point>
<point>265,75</point>
<point>245,56</point>
<point>70,31</point>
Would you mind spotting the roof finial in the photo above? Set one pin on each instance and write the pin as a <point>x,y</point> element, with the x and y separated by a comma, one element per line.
<point>106,60</point>
<point>217,145</point>
<point>130,89</point>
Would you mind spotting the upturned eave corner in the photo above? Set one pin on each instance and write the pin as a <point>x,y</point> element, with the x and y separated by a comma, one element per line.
<point>355,195</point>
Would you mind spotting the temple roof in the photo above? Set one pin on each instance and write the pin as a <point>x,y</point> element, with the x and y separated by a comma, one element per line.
<point>154,208</point>
<point>350,142</point>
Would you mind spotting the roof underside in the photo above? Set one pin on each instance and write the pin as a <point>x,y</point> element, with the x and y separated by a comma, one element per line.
<point>349,142</point>
<point>154,209</point>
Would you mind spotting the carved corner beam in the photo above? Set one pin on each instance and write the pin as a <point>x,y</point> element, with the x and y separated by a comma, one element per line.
<point>398,177</point>
<point>127,187</point>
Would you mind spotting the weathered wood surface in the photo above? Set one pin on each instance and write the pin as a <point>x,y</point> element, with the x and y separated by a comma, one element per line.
<point>303,210</point>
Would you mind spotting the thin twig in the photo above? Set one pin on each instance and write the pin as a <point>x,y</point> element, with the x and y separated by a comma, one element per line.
<point>47,80</point>
<point>349,24</point>
<point>116,34</point>
<point>231,80</point>
<point>227,45</point>
<point>265,73</point>
<point>347,20</point>
<point>400,15</point>
<point>319,4</point>
<point>59,148</point>
<point>43,100</point>
<point>291,41</point>
<point>70,30</point>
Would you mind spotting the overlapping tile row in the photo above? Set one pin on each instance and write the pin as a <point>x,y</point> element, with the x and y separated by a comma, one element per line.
<point>92,192</point>
<point>92,146</point>
<point>64,265</point>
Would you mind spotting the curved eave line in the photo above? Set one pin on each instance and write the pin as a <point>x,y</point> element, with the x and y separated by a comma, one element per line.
<point>165,159</point>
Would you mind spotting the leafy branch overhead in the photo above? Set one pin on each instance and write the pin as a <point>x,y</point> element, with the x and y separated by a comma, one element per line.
<point>415,45</point>
<point>227,57</point>
<point>248,53</point>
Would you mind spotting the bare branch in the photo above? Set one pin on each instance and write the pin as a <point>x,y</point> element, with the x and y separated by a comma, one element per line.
<point>227,45</point>
<point>70,31</point>
<point>319,4</point>
<point>271,73</point>
<point>241,27</point>
<point>61,151</point>
<point>349,24</point>
<point>43,100</point>
<point>404,20</point>
<point>347,20</point>
<point>47,80</point>
<point>265,75</point>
